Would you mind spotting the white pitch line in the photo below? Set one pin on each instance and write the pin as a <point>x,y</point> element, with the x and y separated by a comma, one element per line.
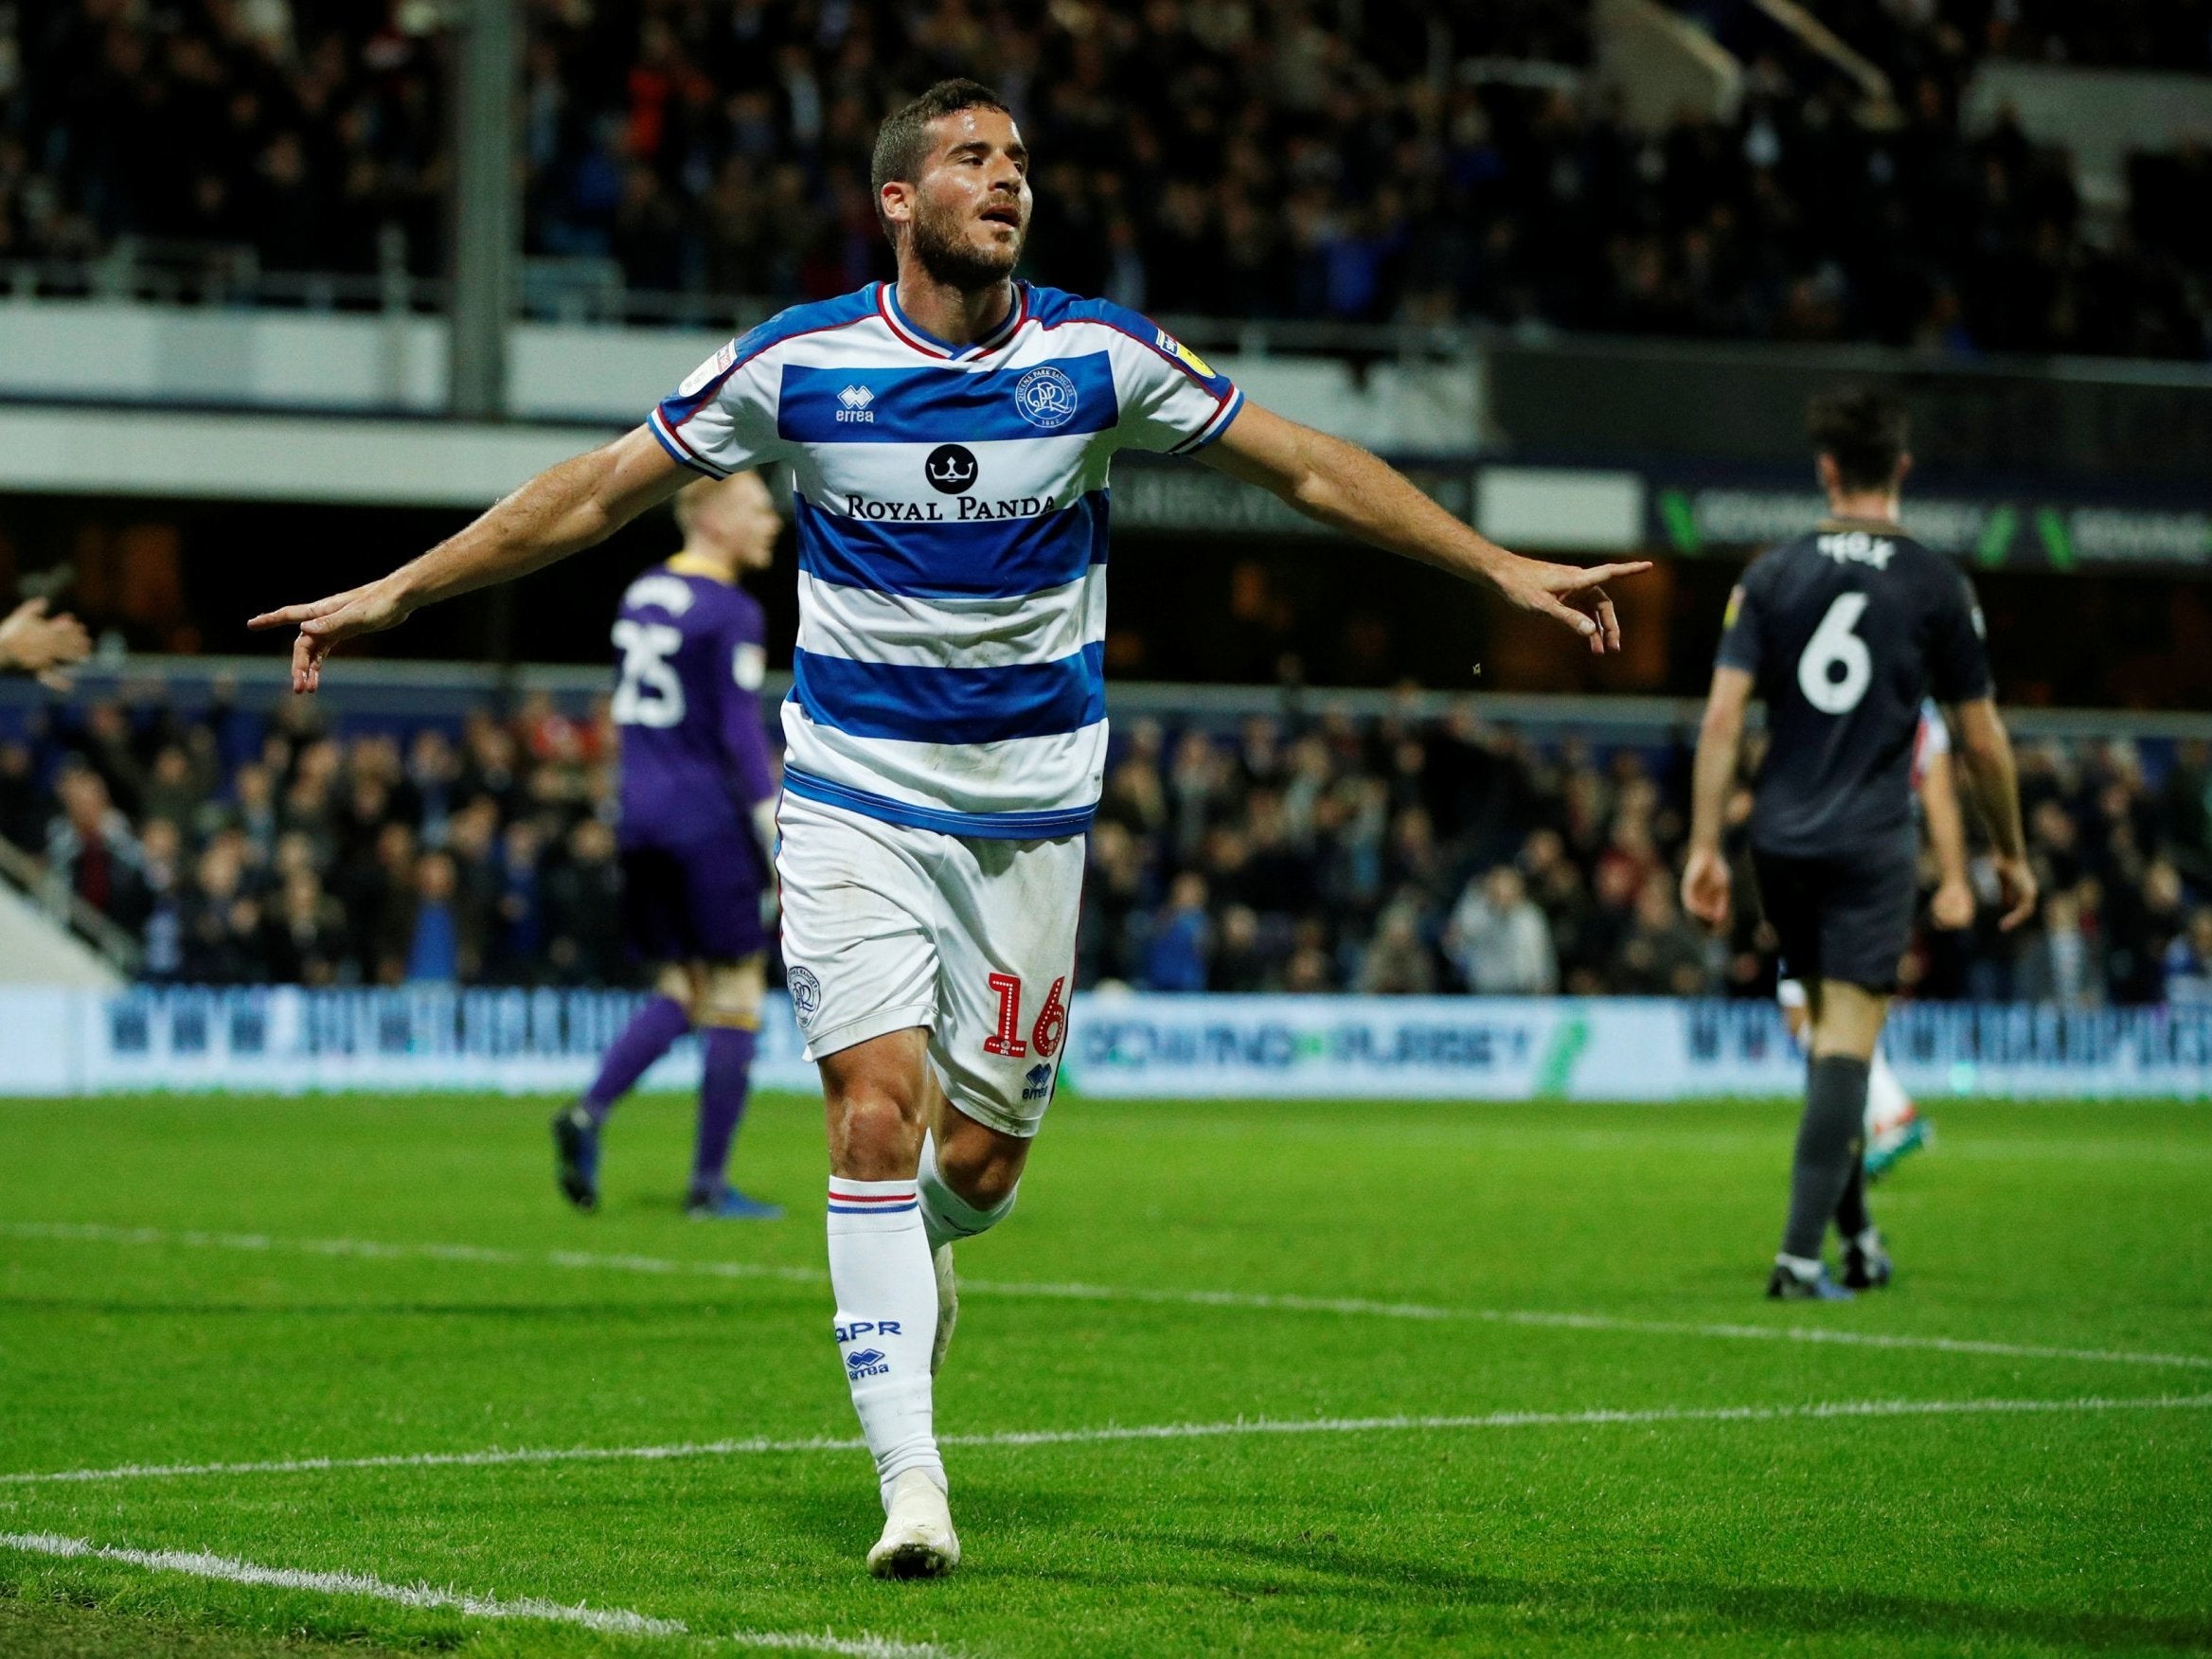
<point>1259,1301</point>
<point>370,1250</point>
<point>1418,1310</point>
<point>617,1621</point>
<point>1112,1434</point>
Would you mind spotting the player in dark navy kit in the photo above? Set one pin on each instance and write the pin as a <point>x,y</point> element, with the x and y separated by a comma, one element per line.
<point>1842,634</point>
<point>698,831</point>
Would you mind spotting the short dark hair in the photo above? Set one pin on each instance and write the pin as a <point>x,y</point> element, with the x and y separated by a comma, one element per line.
<point>1864,429</point>
<point>903,140</point>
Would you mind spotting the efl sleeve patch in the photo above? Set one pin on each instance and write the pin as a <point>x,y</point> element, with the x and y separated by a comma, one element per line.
<point>721,418</point>
<point>1172,399</point>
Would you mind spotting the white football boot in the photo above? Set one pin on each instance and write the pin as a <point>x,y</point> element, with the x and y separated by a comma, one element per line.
<point>917,1541</point>
<point>947,1306</point>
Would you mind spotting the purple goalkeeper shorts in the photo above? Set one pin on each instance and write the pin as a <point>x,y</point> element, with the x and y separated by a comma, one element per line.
<point>697,901</point>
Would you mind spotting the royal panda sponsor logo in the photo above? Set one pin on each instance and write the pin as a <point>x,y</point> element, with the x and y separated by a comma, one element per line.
<point>966,510</point>
<point>952,469</point>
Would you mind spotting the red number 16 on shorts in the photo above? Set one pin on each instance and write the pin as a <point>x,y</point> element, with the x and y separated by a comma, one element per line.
<point>1046,1036</point>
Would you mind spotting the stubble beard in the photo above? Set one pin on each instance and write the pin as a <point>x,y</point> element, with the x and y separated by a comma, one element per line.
<point>951,258</point>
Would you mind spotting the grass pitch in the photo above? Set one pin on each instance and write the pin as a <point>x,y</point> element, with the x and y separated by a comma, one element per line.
<point>1425,1379</point>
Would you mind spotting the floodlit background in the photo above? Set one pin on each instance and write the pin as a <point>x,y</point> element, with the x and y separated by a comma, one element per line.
<point>1380,966</point>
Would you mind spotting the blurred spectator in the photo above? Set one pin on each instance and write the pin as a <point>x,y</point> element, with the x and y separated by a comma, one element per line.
<point>1182,937</point>
<point>305,933</point>
<point>2064,960</point>
<point>161,851</point>
<point>1240,961</point>
<point>1661,952</point>
<point>219,922</point>
<point>1398,961</point>
<point>2189,961</point>
<point>434,951</point>
<point>1500,940</point>
<point>582,907</point>
<point>518,930</point>
<point>90,852</point>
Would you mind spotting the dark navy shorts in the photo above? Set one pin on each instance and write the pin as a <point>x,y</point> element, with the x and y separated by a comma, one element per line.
<point>695,902</point>
<point>1846,918</point>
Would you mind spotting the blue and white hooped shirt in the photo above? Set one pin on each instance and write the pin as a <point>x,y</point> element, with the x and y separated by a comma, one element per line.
<point>951,507</point>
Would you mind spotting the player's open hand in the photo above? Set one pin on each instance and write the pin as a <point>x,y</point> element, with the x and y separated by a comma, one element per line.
<point>1705,883</point>
<point>1570,594</point>
<point>324,623</point>
<point>1953,905</point>
<point>38,644</point>
<point>2016,882</point>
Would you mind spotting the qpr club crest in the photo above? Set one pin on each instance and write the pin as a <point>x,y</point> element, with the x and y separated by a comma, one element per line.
<point>1045,397</point>
<point>806,994</point>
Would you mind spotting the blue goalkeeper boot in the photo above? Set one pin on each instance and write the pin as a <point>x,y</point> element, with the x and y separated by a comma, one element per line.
<point>576,1156</point>
<point>727,1203</point>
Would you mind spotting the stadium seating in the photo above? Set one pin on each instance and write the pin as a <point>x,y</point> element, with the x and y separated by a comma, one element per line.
<point>1432,162</point>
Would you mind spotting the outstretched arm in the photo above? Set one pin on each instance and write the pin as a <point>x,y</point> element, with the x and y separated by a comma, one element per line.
<point>562,510</point>
<point>1704,877</point>
<point>1346,488</point>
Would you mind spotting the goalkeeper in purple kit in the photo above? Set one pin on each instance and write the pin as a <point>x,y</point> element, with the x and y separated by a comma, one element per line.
<point>697,834</point>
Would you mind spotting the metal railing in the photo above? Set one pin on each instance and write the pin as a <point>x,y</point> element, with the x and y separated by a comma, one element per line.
<point>432,690</point>
<point>229,276</point>
<point>114,943</point>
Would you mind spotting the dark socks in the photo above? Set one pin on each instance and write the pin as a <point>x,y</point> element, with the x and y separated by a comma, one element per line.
<point>650,1034</point>
<point>1830,1139</point>
<point>721,1104</point>
<point>1852,1217</point>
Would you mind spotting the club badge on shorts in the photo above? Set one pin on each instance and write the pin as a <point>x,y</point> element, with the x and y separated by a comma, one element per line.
<point>806,996</point>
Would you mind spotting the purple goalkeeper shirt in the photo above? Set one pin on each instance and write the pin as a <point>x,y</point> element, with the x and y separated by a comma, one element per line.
<point>689,661</point>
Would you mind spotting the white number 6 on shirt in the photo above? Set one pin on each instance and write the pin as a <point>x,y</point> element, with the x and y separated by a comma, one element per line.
<point>1833,644</point>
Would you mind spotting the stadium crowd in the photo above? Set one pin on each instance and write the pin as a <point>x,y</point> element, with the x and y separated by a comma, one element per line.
<point>1230,157</point>
<point>1332,854</point>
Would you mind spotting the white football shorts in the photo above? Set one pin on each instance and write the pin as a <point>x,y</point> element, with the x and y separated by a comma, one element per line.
<point>886,927</point>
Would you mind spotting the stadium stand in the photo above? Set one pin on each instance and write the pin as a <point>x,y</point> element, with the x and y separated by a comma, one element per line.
<point>1395,854</point>
<point>1427,163</point>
